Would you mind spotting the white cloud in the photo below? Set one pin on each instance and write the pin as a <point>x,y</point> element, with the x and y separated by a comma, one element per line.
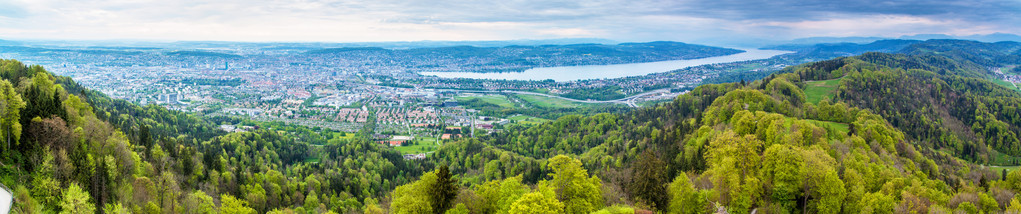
<point>392,20</point>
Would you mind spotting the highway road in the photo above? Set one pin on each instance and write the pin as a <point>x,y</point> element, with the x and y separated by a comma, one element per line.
<point>629,101</point>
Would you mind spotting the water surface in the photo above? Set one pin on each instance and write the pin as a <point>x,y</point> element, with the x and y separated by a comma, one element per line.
<point>572,73</point>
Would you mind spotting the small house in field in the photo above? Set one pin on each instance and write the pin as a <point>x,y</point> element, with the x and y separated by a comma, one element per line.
<point>450,136</point>
<point>391,143</point>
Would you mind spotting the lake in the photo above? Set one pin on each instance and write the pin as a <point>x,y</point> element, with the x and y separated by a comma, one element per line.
<point>572,73</point>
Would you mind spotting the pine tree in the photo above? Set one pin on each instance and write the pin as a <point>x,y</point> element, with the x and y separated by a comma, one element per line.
<point>648,182</point>
<point>444,190</point>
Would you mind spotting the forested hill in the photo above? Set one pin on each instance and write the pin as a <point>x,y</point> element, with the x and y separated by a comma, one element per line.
<point>519,58</point>
<point>72,150</point>
<point>916,131</point>
<point>874,133</point>
<point>987,54</point>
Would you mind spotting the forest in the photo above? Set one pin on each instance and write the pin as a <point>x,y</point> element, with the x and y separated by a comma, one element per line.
<point>918,131</point>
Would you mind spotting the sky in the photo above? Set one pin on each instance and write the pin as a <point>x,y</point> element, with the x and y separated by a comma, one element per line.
<point>458,20</point>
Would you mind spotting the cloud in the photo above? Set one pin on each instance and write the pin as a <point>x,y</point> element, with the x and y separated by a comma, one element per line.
<point>388,20</point>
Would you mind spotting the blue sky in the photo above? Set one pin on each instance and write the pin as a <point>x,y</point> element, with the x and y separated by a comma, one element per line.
<point>413,20</point>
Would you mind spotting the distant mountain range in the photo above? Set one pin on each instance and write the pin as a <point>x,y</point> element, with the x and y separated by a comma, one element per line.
<point>824,51</point>
<point>520,57</point>
<point>1006,51</point>
<point>300,46</point>
<point>994,37</point>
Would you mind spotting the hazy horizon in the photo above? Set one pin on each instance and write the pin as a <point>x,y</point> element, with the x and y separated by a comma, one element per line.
<point>692,21</point>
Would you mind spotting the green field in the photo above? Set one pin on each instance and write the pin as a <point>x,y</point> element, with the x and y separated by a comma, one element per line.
<point>551,102</point>
<point>422,145</point>
<point>1009,70</point>
<point>816,91</point>
<point>1004,83</point>
<point>527,120</point>
<point>839,127</point>
<point>654,102</point>
<point>343,135</point>
<point>999,168</point>
<point>495,99</point>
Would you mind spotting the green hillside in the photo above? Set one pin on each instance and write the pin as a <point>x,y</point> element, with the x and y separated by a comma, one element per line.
<point>923,131</point>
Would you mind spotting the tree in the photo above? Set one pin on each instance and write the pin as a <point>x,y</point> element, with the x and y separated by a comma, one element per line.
<point>44,186</point>
<point>458,209</point>
<point>256,195</point>
<point>25,202</point>
<point>967,207</point>
<point>230,204</point>
<point>414,197</point>
<point>542,201</point>
<point>371,207</point>
<point>444,190</point>
<point>735,163</point>
<point>116,208</point>
<point>685,199</point>
<point>877,203</point>
<point>311,202</point>
<point>76,201</point>
<point>648,177</point>
<point>497,196</point>
<point>10,113</point>
<point>1014,207</point>
<point>781,170</point>
<point>199,202</point>
<point>579,192</point>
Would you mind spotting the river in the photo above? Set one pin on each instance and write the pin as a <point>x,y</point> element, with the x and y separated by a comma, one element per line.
<point>572,73</point>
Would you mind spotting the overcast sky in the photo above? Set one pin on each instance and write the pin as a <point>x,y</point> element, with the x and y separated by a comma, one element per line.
<point>412,20</point>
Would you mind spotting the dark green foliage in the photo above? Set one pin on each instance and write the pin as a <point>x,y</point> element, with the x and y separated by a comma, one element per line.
<point>444,190</point>
<point>648,181</point>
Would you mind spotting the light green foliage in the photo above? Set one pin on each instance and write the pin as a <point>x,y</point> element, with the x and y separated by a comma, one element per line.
<point>873,128</point>
<point>987,203</point>
<point>542,201</point>
<point>830,192</point>
<point>230,204</point>
<point>371,207</point>
<point>1014,180</point>
<point>199,202</point>
<point>685,199</point>
<point>44,186</point>
<point>781,170</point>
<point>579,192</point>
<point>822,183</point>
<point>76,201</point>
<point>11,105</point>
<point>967,207</point>
<point>877,203</point>
<point>783,88</point>
<point>25,202</point>
<point>77,110</point>
<point>1014,206</point>
<point>116,208</point>
<point>311,201</point>
<point>497,196</point>
<point>414,197</point>
<point>616,210</point>
<point>736,161</point>
<point>458,209</point>
<point>724,108</point>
